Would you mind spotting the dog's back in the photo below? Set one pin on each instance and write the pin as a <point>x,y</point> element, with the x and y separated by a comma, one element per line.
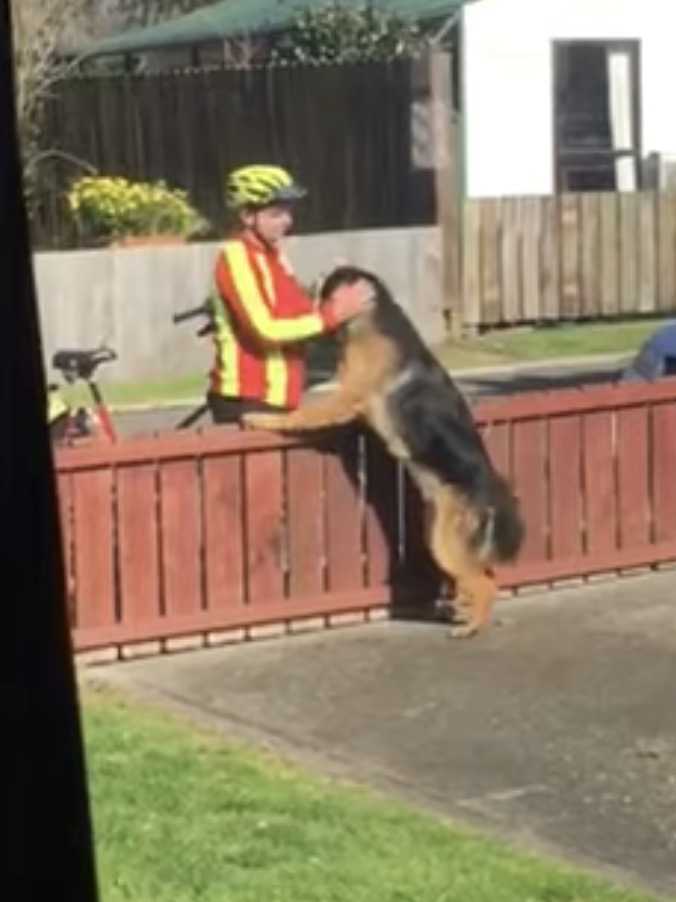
<point>432,420</point>
<point>441,436</point>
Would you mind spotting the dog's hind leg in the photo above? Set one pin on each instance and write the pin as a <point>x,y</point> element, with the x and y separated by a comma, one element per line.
<point>477,592</point>
<point>475,586</point>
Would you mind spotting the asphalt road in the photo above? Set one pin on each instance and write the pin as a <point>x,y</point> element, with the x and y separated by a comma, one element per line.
<point>480,383</point>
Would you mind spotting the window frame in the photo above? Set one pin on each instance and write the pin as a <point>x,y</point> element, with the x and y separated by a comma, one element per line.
<point>564,158</point>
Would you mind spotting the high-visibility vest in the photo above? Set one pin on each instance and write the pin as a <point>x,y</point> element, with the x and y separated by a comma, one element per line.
<point>261,318</point>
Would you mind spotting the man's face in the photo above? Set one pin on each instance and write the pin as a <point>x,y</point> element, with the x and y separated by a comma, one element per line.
<point>269,223</point>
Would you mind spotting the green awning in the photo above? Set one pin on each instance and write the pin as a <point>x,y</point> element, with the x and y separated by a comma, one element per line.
<point>231,18</point>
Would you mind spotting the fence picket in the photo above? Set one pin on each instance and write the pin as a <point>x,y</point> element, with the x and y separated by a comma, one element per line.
<point>496,438</point>
<point>94,548</point>
<point>664,483</point>
<point>629,251</point>
<point>345,514</point>
<point>529,473</point>
<point>307,521</point>
<point>551,271</point>
<point>471,268</point>
<point>138,542</point>
<point>565,466</point>
<point>648,282</point>
<point>532,285</point>
<point>512,278</point>
<point>666,251</point>
<point>181,536</point>
<point>65,499</point>
<point>382,525</point>
<point>223,532</point>
<point>265,527</point>
<point>600,494</point>
<point>590,269</point>
<point>632,477</point>
<point>491,289</point>
<point>570,256</point>
<point>609,259</point>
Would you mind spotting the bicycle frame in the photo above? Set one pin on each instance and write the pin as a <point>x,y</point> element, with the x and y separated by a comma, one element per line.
<point>102,412</point>
<point>78,365</point>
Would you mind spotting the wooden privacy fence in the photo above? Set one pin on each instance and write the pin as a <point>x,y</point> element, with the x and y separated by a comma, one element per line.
<point>346,131</point>
<point>189,535</point>
<point>574,256</point>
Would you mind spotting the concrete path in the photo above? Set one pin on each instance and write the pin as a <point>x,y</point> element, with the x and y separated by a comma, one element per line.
<point>555,729</point>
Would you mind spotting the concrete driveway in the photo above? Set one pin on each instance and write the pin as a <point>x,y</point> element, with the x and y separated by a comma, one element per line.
<point>555,729</point>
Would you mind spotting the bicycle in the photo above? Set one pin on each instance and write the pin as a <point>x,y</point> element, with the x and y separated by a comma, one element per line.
<point>203,310</point>
<point>66,425</point>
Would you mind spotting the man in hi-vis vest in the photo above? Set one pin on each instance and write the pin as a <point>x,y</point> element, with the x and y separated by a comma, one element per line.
<point>261,314</point>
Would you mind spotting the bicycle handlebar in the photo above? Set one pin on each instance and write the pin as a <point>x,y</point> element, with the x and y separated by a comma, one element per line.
<point>183,315</point>
<point>103,355</point>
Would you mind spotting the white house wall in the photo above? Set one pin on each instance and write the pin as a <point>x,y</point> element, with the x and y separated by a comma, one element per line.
<point>508,83</point>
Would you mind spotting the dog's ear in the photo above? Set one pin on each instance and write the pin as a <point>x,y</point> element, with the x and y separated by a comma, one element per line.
<point>325,285</point>
<point>340,275</point>
<point>347,275</point>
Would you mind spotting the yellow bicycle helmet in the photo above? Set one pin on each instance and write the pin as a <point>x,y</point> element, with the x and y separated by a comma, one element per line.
<point>259,185</point>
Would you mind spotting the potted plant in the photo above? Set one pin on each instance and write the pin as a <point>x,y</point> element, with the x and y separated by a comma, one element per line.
<point>117,211</point>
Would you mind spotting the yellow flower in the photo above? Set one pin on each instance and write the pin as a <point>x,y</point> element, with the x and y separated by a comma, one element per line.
<point>114,205</point>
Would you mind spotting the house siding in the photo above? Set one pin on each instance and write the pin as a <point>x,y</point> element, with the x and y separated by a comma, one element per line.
<point>508,83</point>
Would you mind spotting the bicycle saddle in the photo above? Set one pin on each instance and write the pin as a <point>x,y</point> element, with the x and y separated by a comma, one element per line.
<point>78,364</point>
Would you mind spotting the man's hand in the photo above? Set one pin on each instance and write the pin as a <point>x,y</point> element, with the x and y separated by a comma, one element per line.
<point>348,301</point>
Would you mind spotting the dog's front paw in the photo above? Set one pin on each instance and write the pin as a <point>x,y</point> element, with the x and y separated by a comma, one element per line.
<point>259,421</point>
<point>463,630</point>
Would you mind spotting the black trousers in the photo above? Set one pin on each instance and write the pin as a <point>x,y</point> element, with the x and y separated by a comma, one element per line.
<point>231,410</point>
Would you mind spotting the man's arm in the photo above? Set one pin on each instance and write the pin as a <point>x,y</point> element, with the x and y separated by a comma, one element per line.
<point>238,287</point>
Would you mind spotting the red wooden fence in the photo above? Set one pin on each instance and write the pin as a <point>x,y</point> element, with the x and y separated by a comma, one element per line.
<point>186,533</point>
<point>190,533</point>
<point>595,471</point>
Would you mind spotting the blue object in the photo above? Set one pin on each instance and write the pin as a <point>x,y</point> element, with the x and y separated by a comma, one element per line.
<point>656,358</point>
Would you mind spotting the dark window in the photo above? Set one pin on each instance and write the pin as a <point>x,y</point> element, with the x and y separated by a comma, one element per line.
<point>596,100</point>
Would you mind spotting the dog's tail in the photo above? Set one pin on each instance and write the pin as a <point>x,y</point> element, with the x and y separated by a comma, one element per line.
<point>500,531</point>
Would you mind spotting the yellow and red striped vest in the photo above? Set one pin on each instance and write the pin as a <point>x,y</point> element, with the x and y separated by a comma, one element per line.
<point>261,316</point>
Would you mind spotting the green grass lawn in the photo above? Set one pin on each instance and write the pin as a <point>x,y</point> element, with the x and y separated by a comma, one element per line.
<point>181,816</point>
<point>547,343</point>
<point>126,394</point>
<point>497,348</point>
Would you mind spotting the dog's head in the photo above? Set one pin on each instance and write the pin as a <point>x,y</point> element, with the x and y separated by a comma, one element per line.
<point>348,275</point>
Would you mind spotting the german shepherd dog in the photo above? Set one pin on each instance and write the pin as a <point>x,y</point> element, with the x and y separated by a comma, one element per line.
<point>390,380</point>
